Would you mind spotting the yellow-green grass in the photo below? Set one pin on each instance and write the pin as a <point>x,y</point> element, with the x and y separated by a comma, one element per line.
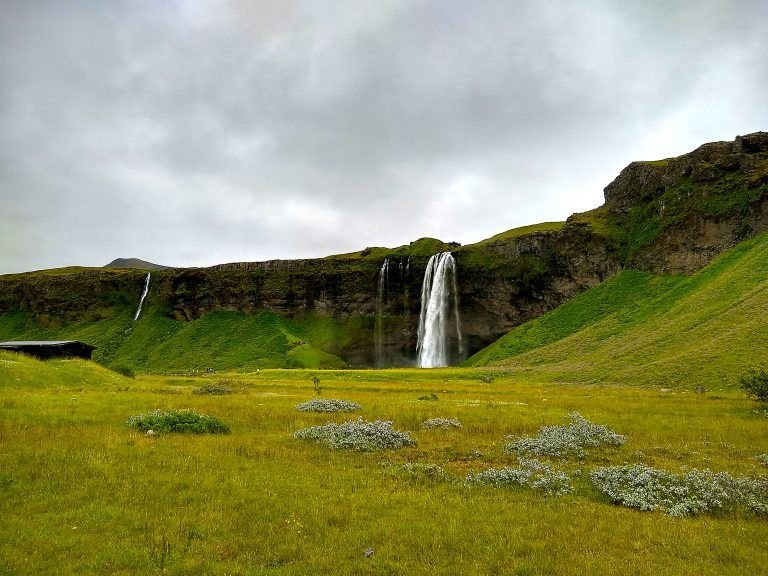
<point>83,494</point>
<point>639,329</point>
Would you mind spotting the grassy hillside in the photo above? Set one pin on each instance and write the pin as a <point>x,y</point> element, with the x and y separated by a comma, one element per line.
<point>221,340</point>
<point>642,329</point>
<point>521,231</point>
<point>21,371</point>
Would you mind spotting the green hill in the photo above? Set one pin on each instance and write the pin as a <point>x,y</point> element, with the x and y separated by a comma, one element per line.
<point>638,328</point>
<point>22,371</point>
<point>135,263</point>
<point>220,340</point>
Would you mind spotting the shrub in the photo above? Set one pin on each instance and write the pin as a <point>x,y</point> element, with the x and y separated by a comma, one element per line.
<point>531,474</point>
<point>214,390</point>
<point>566,441</point>
<point>755,383</point>
<point>124,370</point>
<point>177,421</point>
<point>442,423</point>
<point>357,435</point>
<point>694,492</point>
<point>328,405</point>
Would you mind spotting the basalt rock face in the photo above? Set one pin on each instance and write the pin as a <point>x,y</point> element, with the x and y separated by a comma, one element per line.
<point>669,216</point>
<point>69,294</point>
<point>528,276</point>
<point>501,285</point>
<point>676,215</point>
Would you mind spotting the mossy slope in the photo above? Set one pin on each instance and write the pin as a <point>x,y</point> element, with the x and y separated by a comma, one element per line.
<point>643,329</point>
<point>22,371</point>
<point>156,343</point>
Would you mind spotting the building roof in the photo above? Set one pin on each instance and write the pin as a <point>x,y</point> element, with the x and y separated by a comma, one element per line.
<point>37,342</point>
<point>42,343</point>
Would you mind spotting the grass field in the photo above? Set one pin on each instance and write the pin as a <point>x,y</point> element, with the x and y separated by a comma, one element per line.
<point>82,493</point>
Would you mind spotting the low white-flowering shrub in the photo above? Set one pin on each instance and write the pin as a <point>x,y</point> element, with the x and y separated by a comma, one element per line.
<point>693,492</point>
<point>566,441</point>
<point>442,423</point>
<point>328,405</point>
<point>531,474</point>
<point>762,458</point>
<point>357,435</point>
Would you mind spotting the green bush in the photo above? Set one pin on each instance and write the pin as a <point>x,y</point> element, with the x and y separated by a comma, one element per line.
<point>124,370</point>
<point>755,383</point>
<point>177,421</point>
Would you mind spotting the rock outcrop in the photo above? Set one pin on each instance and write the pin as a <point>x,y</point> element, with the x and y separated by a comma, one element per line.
<point>676,215</point>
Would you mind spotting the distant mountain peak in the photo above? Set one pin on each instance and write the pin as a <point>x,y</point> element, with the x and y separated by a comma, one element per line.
<point>135,263</point>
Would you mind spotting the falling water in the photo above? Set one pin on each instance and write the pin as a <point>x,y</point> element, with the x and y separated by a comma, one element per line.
<point>143,295</point>
<point>438,294</point>
<point>379,320</point>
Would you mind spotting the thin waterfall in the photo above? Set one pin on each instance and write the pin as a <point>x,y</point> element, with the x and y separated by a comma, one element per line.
<point>379,319</point>
<point>406,280</point>
<point>143,295</point>
<point>438,294</point>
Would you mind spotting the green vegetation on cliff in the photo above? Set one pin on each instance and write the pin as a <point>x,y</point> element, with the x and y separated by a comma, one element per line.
<point>638,328</point>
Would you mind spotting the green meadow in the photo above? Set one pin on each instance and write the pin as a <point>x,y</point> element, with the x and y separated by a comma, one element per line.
<point>655,358</point>
<point>83,493</point>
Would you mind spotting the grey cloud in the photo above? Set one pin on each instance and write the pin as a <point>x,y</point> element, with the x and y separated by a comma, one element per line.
<point>201,132</point>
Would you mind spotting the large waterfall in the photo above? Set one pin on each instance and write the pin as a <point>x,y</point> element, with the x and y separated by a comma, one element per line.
<point>439,323</point>
<point>143,295</point>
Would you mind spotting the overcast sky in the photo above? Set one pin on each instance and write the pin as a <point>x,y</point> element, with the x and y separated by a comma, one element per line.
<point>200,132</point>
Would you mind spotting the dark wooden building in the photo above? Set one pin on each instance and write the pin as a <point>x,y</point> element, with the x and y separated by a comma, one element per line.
<point>45,349</point>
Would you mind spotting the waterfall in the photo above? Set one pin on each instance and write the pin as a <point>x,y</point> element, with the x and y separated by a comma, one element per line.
<point>439,293</point>
<point>143,295</point>
<point>379,319</point>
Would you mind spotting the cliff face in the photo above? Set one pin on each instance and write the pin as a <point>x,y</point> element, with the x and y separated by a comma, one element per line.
<point>501,285</point>
<point>676,215</point>
<point>669,216</point>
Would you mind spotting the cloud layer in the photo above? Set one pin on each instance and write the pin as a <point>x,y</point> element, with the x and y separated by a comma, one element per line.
<point>193,133</point>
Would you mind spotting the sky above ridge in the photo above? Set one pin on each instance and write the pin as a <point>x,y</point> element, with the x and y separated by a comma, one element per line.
<point>200,132</point>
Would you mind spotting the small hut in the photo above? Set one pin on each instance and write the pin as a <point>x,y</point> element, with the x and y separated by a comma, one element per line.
<point>45,349</point>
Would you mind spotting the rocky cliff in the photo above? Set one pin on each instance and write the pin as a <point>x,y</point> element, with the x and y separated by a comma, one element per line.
<point>670,216</point>
<point>676,215</point>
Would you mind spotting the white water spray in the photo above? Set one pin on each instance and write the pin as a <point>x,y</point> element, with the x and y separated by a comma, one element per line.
<point>143,295</point>
<point>438,293</point>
